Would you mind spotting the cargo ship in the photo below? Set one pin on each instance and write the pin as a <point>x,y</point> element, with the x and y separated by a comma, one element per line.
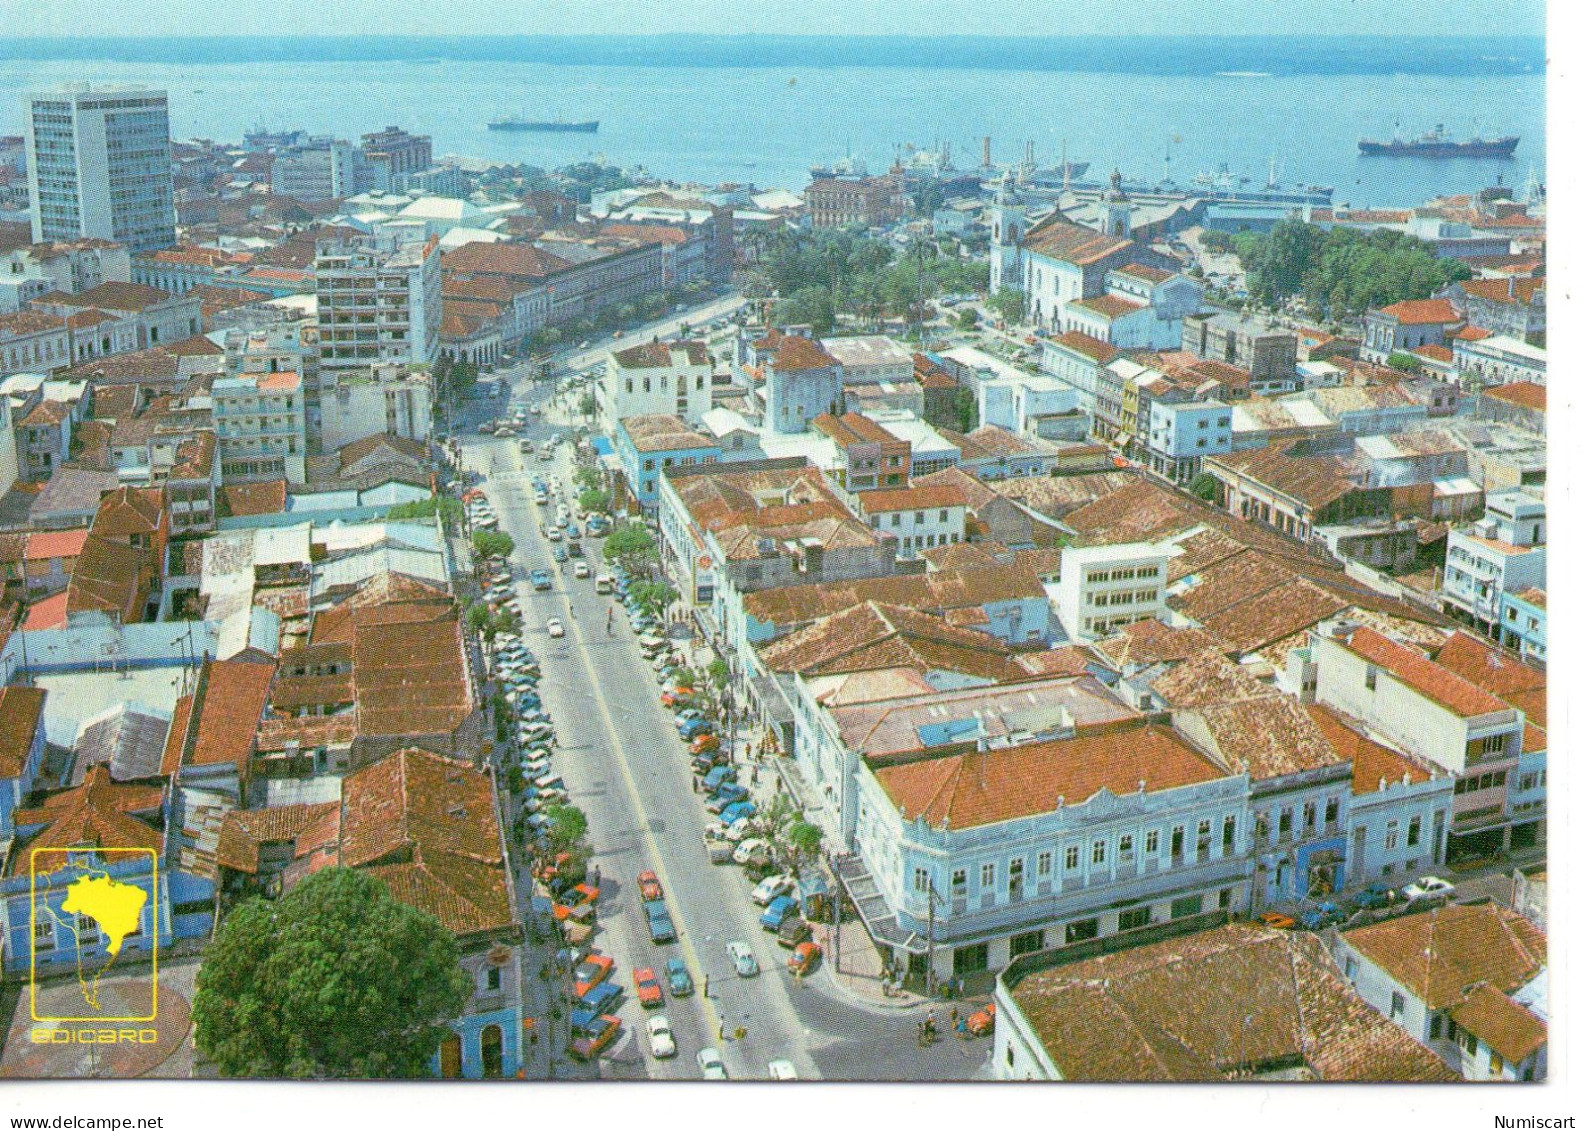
<point>522,125</point>
<point>1437,143</point>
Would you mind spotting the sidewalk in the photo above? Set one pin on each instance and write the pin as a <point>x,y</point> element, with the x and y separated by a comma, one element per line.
<point>859,979</point>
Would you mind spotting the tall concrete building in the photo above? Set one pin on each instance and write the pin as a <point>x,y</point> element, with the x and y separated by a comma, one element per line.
<point>99,165</point>
<point>377,304</point>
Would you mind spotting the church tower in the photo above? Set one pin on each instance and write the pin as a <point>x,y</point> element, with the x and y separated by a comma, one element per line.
<point>1007,229</point>
<point>1117,208</point>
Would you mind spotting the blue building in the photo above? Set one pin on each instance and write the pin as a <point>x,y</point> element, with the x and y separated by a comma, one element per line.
<point>21,748</point>
<point>646,445</point>
<point>125,822</point>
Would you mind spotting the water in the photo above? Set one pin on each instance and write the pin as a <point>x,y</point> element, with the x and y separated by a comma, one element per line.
<point>767,123</point>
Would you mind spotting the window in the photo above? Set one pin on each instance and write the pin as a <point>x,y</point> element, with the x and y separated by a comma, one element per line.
<point>1186,906</point>
<point>1285,822</point>
<point>1331,810</point>
<point>960,882</point>
<point>1098,852</point>
<point>492,979</point>
<point>1134,919</point>
<point>1125,848</point>
<point>1070,858</point>
<point>43,934</point>
<point>1224,898</point>
<point>1396,1012</point>
<point>1177,841</point>
<point>921,880</point>
<point>1309,816</point>
<point>1492,744</point>
<point>987,875</point>
<point>1436,1025</point>
<point>1043,864</point>
<point>1229,827</point>
<point>1081,930</point>
<point>1496,1064</point>
<point>1026,943</point>
<point>1414,832</point>
<point>1370,677</point>
<point>1152,842</point>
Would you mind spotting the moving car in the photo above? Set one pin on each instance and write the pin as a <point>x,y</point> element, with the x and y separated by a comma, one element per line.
<point>782,1070</point>
<point>647,986</point>
<point>580,570</point>
<point>711,1066</point>
<point>662,1044</point>
<point>1428,889</point>
<point>558,553</point>
<point>602,584</point>
<point>677,977</point>
<point>554,534</point>
<point>649,887</point>
<point>743,960</point>
<point>661,929</point>
<point>555,628</point>
<point>782,908</point>
<point>541,579</point>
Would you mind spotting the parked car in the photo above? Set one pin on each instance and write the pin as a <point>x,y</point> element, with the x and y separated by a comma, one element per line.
<point>662,1045</point>
<point>677,697</point>
<point>771,887</point>
<point>794,932</point>
<point>647,986</point>
<point>1428,889</point>
<point>1321,916</point>
<point>678,980</point>
<point>711,1066</point>
<point>1278,921</point>
<point>1373,897</point>
<point>589,973</point>
<point>555,628</point>
<point>743,960</point>
<point>737,811</point>
<point>558,554</point>
<point>705,744</point>
<point>602,998</point>
<point>693,728</point>
<point>804,958</point>
<point>782,1070</point>
<point>717,848</point>
<point>541,578</point>
<point>782,908</point>
<point>649,887</point>
<point>592,1033</point>
<point>729,794</point>
<point>984,1021</point>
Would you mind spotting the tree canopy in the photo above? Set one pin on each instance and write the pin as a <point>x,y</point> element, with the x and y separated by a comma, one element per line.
<point>1341,272</point>
<point>631,544</point>
<point>336,979</point>
<point>493,544</point>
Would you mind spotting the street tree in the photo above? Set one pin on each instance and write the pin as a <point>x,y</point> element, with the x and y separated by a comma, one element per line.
<point>493,544</point>
<point>594,500</point>
<point>1009,305</point>
<point>1203,486</point>
<point>449,510</point>
<point>567,828</point>
<point>337,979</point>
<point>654,597</point>
<point>803,841</point>
<point>632,545</point>
<point>586,405</point>
<point>719,673</point>
<point>587,478</point>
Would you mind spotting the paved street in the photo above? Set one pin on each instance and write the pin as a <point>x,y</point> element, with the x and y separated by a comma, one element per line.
<point>627,770</point>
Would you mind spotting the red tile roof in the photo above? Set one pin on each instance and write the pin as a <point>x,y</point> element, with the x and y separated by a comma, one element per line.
<point>46,544</point>
<point>792,354</point>
<point>910,499</point>
<point>1059,239</point>
<point>98,812</point>
<point>1090,346</point>
<point>1423,312</point>
<point>230,702</point>
<point>1424,675</point>
<point>1524,394</point>
<point>21,711</point>
<point>1110,307</point>
<point>1497,290</point>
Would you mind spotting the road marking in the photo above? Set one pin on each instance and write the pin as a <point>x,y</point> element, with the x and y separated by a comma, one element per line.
<point>684,939</point>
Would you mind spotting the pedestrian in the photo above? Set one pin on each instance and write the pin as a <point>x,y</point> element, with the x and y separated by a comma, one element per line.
<point>707,985</point>
<point>954,1017</point>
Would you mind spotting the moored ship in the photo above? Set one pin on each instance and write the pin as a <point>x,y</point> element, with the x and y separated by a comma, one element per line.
<point>1437,143</point>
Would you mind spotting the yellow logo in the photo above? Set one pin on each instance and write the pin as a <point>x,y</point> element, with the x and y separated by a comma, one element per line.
<point>74,904</point>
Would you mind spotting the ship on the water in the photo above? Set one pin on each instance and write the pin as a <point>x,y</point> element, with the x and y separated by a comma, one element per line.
<point>1437,143</point>
<point>523,125</point>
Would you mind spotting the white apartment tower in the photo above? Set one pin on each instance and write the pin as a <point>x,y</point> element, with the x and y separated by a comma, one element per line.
<point>377,305</point>
<point>99,166</point>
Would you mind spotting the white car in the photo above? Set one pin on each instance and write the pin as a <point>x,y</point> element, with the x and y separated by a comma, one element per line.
<point>555,628</point>
<point>770,887</point>
<point>747,848</point>
<point>580,568</point>
<point>1428,888</point>
<point>782,1070</point>
<point>553,534</point>
<point>711,1066</point>
<point>662,1044</point>
<point>743,960</point>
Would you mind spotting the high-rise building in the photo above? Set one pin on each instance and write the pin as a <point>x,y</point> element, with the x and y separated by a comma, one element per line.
<point>377,304</point>
<point>99,165</point>
<point>393,154</point>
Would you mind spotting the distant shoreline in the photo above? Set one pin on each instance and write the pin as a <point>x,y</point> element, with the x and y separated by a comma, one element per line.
<point>1277,56</point>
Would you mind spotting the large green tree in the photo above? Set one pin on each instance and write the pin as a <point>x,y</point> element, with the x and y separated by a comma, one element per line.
<point>632,545</point>
<point>336,979</point>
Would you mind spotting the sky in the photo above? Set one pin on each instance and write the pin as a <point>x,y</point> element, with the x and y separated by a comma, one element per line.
<point>821,17</point>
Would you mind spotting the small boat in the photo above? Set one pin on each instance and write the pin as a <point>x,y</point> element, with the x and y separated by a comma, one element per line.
<point>523,125</point>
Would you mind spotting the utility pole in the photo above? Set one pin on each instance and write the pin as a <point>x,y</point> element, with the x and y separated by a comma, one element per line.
<point>930,941</point>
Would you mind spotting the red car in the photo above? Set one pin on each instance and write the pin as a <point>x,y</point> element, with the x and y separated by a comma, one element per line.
<point>577,903</point>
<point>647,986</point>
<point>591,972</point>
<point>649,887</point>
<point>1278,920</point>
<point>983,1021</point>
<point>705,744</point>
<point>677,697</point>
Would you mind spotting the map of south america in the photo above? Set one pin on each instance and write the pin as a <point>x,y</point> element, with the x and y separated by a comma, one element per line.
<point>115,908</point>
